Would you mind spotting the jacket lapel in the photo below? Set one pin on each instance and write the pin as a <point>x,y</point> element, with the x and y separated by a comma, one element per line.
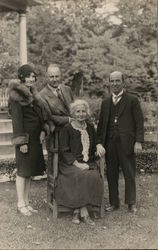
<point>57,101</point>
<point>50,92</point>
<point>63,99</point>
<point>108,106</point>
<point>123,103</point>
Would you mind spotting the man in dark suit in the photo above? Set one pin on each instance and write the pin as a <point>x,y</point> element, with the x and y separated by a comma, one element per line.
<point>120,131</point>
<point>56,98</point>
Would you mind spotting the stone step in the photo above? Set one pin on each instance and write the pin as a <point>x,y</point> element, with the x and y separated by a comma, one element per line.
<point>7,156</point>
<point>5,143</point>
<point>5,137</point>
<point>9,153</point>
<point>7,149</point>
<point>4,115</point>
<point>5,125</point>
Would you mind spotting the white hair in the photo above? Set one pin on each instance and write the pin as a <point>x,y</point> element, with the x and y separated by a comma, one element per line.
<point>53,65</point>
<point>77,102</point>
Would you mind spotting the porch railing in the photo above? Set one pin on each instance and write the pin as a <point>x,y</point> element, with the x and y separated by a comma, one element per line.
<point>3,97</point>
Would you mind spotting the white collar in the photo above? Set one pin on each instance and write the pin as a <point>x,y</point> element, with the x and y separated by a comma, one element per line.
<point>52,88</point>
<point>77,127</point>
<point>119,94</point>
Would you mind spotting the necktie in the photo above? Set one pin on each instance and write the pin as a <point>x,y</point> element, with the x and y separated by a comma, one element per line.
<point>58,92</point>
<point>116,99</point>
<point>62,99</point>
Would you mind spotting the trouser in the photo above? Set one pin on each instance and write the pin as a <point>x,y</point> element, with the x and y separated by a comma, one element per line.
<point>115,158</point>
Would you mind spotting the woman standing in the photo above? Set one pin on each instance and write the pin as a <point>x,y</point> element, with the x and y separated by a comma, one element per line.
<point>28,135</point>
<point>79,184</point>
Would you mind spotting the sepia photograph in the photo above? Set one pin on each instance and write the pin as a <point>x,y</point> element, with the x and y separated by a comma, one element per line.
<point>78,124</point>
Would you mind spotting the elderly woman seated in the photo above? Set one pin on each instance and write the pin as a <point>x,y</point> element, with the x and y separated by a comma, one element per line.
<point>79,184</point>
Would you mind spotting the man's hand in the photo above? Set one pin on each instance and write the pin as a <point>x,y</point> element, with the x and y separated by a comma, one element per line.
<point>137,147</point>
<point>24,148</point>
<point>100,150</point>
<point>42,137</point>
<point>82,166</point>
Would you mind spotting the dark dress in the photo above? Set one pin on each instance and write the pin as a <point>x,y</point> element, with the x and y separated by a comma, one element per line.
<point>77,188</point>
<point>28,120</point>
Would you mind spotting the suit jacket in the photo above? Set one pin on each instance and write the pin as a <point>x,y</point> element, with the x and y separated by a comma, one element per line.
<point>130,122</point>
<point>57,107</point>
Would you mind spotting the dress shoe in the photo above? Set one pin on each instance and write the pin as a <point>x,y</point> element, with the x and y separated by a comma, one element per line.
<point>111,208</point>
<point>132,208</point>
<point>31,209</point>
<point>76,218</point>
<point>24,211</point>
<point>88,220</point>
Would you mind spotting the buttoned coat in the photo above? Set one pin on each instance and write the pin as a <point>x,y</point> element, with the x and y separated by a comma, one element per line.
<point>130,122</point>
<point>28,122</point>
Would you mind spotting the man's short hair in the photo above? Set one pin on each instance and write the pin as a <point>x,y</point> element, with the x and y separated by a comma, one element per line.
<point>53,65</point>
<point>123,78</point>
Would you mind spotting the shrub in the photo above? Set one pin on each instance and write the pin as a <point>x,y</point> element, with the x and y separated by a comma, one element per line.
<point>147,162</point>
<point>8,168</point>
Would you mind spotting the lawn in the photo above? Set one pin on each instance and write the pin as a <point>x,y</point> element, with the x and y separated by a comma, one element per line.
<point>118,230</point>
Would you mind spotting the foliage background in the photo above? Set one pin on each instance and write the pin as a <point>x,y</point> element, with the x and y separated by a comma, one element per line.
<point>88,39</point>
<point>79,35</point>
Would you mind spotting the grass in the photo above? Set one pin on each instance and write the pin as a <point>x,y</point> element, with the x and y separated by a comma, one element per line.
<point>118,230</point>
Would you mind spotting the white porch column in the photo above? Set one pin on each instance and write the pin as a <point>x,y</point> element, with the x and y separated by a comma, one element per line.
<point>23,38</point>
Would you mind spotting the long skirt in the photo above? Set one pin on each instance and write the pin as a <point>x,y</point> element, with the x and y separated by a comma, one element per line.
<point>76,188</point>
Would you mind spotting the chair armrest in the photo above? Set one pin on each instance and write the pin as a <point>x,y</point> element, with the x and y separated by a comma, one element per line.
<point>102,165</point>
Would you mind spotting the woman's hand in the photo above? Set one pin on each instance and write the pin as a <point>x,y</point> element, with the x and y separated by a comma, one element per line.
<point>100,150</point>
<point>42,137</point>
<point>24,148</point>
<point>82,166</point>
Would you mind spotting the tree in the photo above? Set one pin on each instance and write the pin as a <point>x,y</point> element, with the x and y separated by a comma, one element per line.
<point>8,44</point>
<point>71,33</point>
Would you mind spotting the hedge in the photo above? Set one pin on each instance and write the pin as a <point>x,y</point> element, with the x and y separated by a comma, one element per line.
<point>146,162</point>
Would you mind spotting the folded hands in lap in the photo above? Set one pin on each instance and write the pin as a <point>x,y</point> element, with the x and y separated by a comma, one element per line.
<point>82,166</point>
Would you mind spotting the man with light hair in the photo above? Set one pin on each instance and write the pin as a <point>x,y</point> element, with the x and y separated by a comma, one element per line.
<point>120,131</point>
<point>56,98</point>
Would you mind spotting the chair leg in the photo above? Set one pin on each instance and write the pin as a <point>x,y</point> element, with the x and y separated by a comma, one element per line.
<point>102,204</point>
<point>102,166</point>
<point>48,199</point>
<point>48,181</point>
<point>102,210</point>
<point>55,210</point>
